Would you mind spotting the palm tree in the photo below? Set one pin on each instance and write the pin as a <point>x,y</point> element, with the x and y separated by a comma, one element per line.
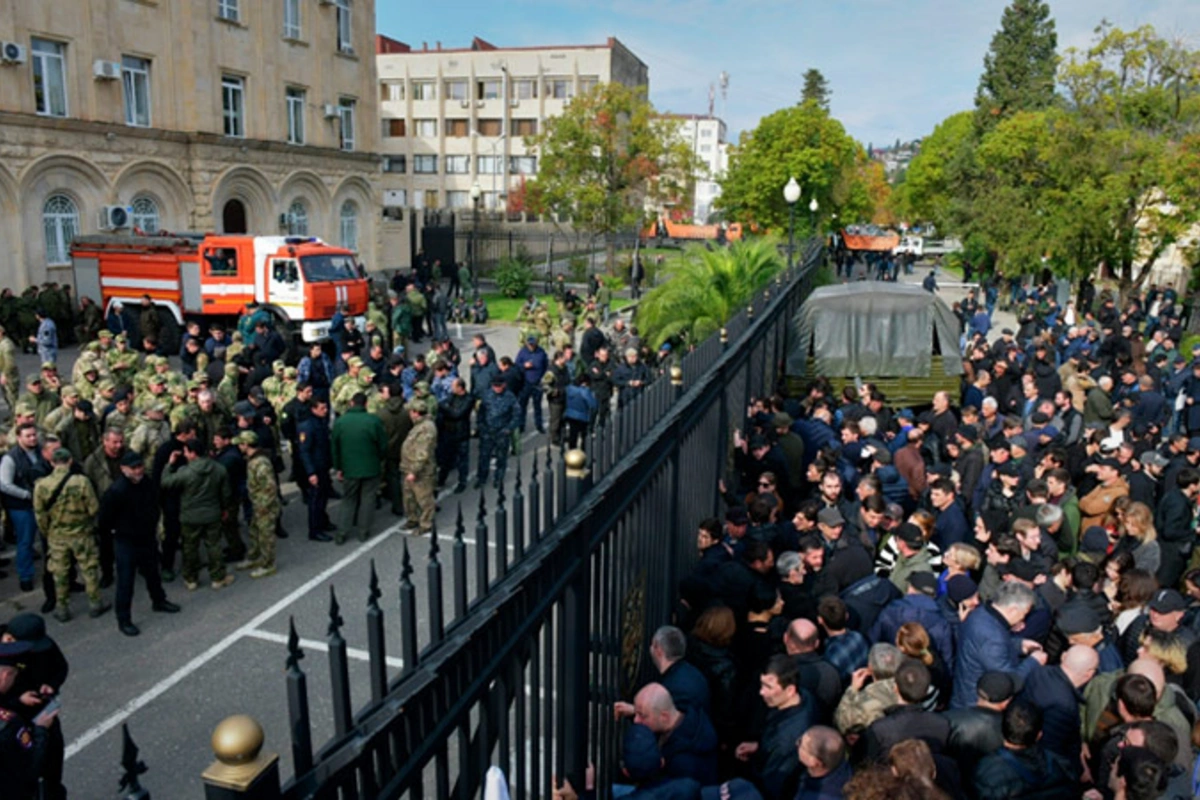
<point>705,288</point>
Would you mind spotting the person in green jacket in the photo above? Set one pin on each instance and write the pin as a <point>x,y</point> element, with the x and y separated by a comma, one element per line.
<point>205,494</point>
<point>359,447</point>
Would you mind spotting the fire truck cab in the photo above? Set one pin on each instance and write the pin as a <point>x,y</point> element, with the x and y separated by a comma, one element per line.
<point>301,281</point>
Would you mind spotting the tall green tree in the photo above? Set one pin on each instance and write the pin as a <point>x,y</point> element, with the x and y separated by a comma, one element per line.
<point>1020,67</point>
<point>816,89</point>
<point>606,157</point>
<point>706,288</point>
<point>803,142</point>
<point>931,184</point>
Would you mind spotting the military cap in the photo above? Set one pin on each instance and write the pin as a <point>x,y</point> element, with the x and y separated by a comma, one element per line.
<point>122,337</point>
<point>278,364</point>
<point>417,407</point>
<point>33,378</point>
<point>14,654</point>
<point>91,348</point>
<point>49,366</point>
<point>105,385</point>
<point>180,390</point>
<point>157,378</point>
<point>105,333</point>
<point>132,459</point>
<point>366,374</point>
<point>249,438</point>
<point>356,362</point>
<point>162,407</point>
<point>290,372</point>
<point>421,386</point>
<point>243,409</point>
<point>25,409</point>
<point>69,391</point>
<point>61,456</point>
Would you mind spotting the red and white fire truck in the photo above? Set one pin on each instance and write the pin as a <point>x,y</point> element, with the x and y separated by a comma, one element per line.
<point>301,281</point>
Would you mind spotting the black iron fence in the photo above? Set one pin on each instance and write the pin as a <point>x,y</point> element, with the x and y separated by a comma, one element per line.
<point>521,673</point>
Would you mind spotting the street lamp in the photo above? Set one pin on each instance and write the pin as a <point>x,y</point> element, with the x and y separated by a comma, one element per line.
<point>791,194</point>
<point>475,193</point>
<point>813,205</point>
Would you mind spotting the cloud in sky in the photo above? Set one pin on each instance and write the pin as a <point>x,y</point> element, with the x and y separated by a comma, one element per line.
<point>896,67</point>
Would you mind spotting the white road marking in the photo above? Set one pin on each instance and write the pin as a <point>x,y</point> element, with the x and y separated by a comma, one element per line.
<point>160,688</point>
<point>323,647</point>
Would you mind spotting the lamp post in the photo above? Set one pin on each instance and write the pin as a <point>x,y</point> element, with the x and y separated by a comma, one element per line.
<point>791,194</point>
<point>813,205</point>
<point>475,193</point>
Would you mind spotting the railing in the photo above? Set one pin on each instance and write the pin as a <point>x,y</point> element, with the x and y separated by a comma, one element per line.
<point>523,673</point>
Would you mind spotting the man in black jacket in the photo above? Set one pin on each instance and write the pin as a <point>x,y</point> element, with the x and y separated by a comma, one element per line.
<point>1173,521</point>
<point>454,435</point>
<point>129,511</point>
<point>790,713</point>
<point>975,731</point>
<point>909,719</point>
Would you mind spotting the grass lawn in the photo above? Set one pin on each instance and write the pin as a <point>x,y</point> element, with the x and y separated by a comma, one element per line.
<point>504,309</point>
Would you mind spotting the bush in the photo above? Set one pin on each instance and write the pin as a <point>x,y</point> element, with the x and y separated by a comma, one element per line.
<point>513,277</point>
<point>578,267</point>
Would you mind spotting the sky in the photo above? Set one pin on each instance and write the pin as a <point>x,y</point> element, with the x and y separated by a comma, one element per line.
<point>896,68</point>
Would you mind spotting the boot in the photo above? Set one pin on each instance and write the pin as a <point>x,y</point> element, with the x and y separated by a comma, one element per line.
<point>62,612</point>
<point>98,609</point>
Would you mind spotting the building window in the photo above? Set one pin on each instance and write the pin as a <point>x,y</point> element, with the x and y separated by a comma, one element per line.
<point>490,200</point>
<point>424,165</point>
<point>145,215</point>
<point>395,164</point>
<point>50,77</point>
<point>706,133</point>
<point>706,148</point>
<point>489,127</point>
<point>424,90</point>
<point>523,165</point>
<point>458,199</point>
<point>228,10</point>
<point>297,219</point>
<point>393,91</point>
<point>487,90</point>
<point>291,19</point>
<point>559,88</point>
<point>346,123</point>
<point>524,89</point>
<point>457,128</point>
<point>524,127</point>
<point>60,221</point>
<point>393,128</point>
<point>135,79</point>
<point>430,197</point>
<point>425,127</point>
<point>295,115</point>
<point>489,165</point>
<point>458,165</point>
<point>349,225</point>
<point>345,40</point>
<point>233,104</point>
<point>586,84</point>
<point>456,90</point>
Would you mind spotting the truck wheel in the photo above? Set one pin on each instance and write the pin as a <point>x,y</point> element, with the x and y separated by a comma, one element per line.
<point>170,334</point>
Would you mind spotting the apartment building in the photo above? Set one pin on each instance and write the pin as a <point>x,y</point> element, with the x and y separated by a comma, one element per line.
<point>705,135</point>
<point>452,119</point>
<point>233,116</point>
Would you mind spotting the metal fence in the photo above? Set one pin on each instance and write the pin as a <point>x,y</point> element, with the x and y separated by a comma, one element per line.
<point>522,672</point>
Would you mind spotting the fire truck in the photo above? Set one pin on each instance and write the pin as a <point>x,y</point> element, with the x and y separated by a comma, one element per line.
<point>300,280</point>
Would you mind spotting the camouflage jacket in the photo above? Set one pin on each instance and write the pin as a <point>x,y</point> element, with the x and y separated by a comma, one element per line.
<point>417,454</point>
<point>857,710</point>
<point>74,510</point>
<point>261,486</point>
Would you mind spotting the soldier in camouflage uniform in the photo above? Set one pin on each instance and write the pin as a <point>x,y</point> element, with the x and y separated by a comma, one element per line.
<point>227,389</point>
<point>263,489</point>
<point>89,381</point>
<point>563,336</point>
<point>10,376</point>
<point>423,395</point>
<point>341,381</point>
<point>122,361</point>
<point>151,431</point>
<point>418,465</point>
<point>58,419</point>
<point>273,384</point>
<point>44,401</point>
<point>65,505</point>
<point>526,315</point>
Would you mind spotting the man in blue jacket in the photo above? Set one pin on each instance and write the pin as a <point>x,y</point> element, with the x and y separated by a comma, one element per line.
<point>533,363</point>
<point>986,642</point>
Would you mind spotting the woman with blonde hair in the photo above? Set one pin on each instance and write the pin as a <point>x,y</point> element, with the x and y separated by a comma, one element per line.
<point>1139,538</point>
<point>1168,649</point>
<point>913,641</point>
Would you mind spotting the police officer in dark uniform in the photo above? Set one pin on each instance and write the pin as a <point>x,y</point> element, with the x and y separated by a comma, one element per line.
<point>24,743</point>
<point>499,416</point>
<point>294,412</point>
<point>315,453</point>
<point>600,372</point>
<point>43,671</point>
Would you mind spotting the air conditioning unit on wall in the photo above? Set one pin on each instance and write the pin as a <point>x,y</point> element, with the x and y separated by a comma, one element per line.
<point>12,53</point>
<point>106,70</point>
<point>115,218</point>
<point>330,111</point>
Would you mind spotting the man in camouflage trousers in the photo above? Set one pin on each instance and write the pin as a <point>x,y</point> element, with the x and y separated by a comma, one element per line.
<point>418,464</point>
<point>204,496</point>
<point>263,490</point>
<point>65,506</point>
<point>10,377</point>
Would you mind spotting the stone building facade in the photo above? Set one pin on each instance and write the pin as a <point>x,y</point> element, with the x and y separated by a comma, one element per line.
<point>228,116</point>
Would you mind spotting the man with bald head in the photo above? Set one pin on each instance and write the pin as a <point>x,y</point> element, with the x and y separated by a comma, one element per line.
<point>1101,712</point>
<point>802,642</point>
<point>688,740</point>
<point>1057,691</point>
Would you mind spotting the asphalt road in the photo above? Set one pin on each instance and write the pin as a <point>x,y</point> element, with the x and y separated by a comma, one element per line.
<point>225,652</point>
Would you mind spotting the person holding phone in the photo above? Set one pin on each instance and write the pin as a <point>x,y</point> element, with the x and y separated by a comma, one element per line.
<point>23,745</point>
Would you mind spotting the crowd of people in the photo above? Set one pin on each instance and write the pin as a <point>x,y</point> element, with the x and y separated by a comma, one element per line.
<point>997,597</point>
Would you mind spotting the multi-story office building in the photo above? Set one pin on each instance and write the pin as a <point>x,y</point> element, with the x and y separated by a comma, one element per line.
<point>705,135</point>
<point>452,118</point>
<point>202,115</point>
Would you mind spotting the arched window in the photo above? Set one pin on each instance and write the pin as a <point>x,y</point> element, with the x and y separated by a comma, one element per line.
<point>60,220</point>
<point>350,225</point>
<point>145,215</point>
<point>297,218</point>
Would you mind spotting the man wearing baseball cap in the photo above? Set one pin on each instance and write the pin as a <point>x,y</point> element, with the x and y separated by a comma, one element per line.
<point>1096,504</point>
